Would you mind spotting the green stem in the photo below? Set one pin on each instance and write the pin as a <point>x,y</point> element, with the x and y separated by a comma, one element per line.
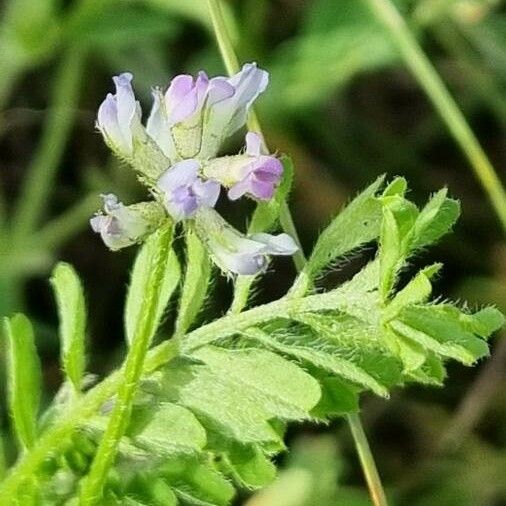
<point>285,216</point>
<point>91,491</point>
<point>42,171</point>
<point>477,75</point>
<point>443,102</point>
<point>366,459</point>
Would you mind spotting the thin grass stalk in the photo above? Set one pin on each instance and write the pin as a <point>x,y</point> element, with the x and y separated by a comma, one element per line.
<point>442,100</point>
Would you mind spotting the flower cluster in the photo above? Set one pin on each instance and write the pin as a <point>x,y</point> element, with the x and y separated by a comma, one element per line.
<point>176,156</point>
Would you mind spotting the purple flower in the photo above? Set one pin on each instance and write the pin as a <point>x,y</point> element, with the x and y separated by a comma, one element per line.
<point>228,104</point>
<point>184,191</point>
<point>258,177</point>
<point>175,122</point>
<point>122,225</point>
<point>185,97</point>
<point>195,115</point>
<point>234,252</point>
<point>252,173</point>
<point>119,116</point>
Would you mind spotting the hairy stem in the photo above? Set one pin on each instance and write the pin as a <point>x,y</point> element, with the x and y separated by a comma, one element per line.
<point>42,171</point>
<point>93,484</point>
<point>285,216</point>
<point>364,452</point>
<point>443,102</point>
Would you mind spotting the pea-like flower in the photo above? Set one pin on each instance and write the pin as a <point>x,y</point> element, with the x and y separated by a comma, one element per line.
<point>234,252</point>
<point>194,116</point>
<point>228,104</point>
<point>175,122</point>
<point>119,117</point>
<point>184,192</point>
<point>252,173</point>
<point>121,226</point>
<point>175,157</point>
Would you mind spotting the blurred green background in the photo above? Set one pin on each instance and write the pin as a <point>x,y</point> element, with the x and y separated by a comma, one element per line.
<point>343,105</point>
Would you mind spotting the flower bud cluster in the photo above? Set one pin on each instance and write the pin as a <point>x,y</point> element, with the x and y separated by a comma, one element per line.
<point>176,156</point>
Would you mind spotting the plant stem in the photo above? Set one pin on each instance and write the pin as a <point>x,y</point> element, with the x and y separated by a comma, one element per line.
<point>285,216</point>
<point>443,102</point>
<point>91,491</point>
<point>366,459</point>
<point>41,173</point>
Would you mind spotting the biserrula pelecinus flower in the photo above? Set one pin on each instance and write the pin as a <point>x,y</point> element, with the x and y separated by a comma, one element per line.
<point>195,116</point>
<point>183,191</point>
<point>228,104</point>
<point>176,158</point>
<point>235,252</point>
<point>119,116</point>
<point>119,121</point>
<point>252,173</point>
<point>121,226</point>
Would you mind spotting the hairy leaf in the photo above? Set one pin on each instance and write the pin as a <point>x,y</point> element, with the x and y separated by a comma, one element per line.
<point>237,392</point>
<point>24,378</point>
<point>72,312</point>
<point>196,282</point>
<point>172,430</point>
<point>357,224</point>
<point>438,328</point>
<point>140,279</point>
<point>321,358</point>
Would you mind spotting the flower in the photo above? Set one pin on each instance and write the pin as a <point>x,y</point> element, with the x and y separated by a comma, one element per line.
<point>195,115</point>
<point>184,191</point>
<point>119,117</point>
<point>252,173</point>
<point>228,105</point>
<point>122,226</point>
<point>234,252</point>
<point>175,122</point>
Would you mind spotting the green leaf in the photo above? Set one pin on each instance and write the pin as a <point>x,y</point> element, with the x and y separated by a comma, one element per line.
<point>196,283</point>
<point>398,186</point>
<point>139,283</point>
<point>417,290</point>
<point>431,372</point>
<point>72,312</point>
<point>357,224</point>
<point>323,359</point>
<point>435,219</point>
<point>399,216</point>
<point>483,323</point>
<point>338,398</point>
<point>198,483</point>
<point>439,328</point>
<point>24,378</point>
<point>171,431</point>
<point>250,466</point>
<point>236,393</point>
<point>411,353</point>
